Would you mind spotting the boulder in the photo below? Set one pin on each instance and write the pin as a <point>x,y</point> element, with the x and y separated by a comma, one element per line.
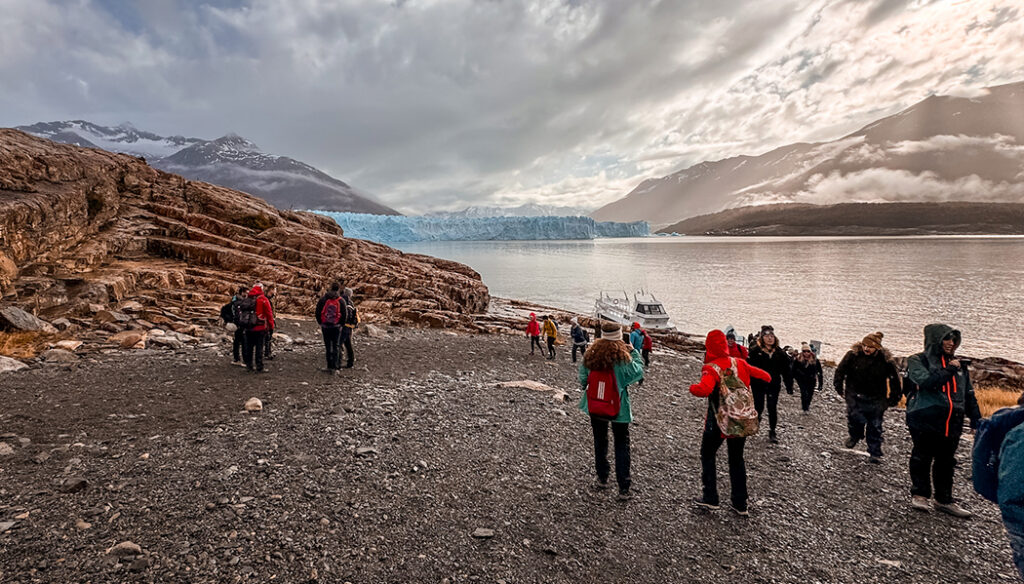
<point>8,364</point>
<point>165,341</point>
<point>373,331</point>
<point>68,345</point>
<point>254,405</point>
<point>59,356</point>
<point>134,339</point>
<point>13,318</point>
<point>111,316</point>
<point>62,324</point>
<point>125,548</point>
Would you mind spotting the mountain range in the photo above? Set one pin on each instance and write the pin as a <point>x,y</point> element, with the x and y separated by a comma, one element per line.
<point>941,149</point>
<point>229,161</point>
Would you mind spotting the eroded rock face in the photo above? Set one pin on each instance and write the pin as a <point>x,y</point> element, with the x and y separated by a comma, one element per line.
<point>81,227</point>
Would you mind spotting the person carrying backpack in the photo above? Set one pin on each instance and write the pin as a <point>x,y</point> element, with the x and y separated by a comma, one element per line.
<point>533,331</point>
<point>998,471</point>
<point>270,291</point>
<point>229,314</point>
<point>580,338</point>
<point>551,332</point>
<point>351,322</point>
<point>330,315</point>
<point>868,379</point>
<point>609,367</point>
<point>255,316</point>
<point>941,396</point>
<point>725,381</point>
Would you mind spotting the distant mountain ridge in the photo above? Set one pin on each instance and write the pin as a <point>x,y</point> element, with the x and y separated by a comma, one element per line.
<point>943,148</point>
<point>230,161</point>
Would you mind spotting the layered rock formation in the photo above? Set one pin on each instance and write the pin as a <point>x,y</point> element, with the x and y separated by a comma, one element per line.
<point>83,228</point>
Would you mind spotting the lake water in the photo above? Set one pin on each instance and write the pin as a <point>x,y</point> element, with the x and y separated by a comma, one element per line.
<point>833,289</point>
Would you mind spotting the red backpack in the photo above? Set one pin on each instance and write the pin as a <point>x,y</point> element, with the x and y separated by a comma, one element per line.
<point>330,314</point>
<point>603,398</point>
<point>648,342</point>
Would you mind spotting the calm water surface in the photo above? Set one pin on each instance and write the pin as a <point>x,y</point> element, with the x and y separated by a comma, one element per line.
<point>831,289</point>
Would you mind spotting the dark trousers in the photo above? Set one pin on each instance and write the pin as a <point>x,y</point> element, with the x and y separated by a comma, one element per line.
<point>346,342</point>
<point>806,393</point>
<point>266,341</point>
<point>253,349</point>
<point>332,339</point>
<point>620,433</point>
<point>709,445</point>
<point>646,354</point>
<point>551,347</point>
<point>932,462</point>
<point>535,342</point>
<point>236,347</point>
<point>865,413</point>
<point>1017,547</point>
<point>771,396</point>
<point>582,349</point>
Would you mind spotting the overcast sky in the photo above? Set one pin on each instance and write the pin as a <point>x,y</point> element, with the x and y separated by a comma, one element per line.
<point>438,104</point>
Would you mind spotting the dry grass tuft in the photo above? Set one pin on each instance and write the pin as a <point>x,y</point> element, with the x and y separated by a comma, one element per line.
<point>25,345</point>
<point>991,399</point>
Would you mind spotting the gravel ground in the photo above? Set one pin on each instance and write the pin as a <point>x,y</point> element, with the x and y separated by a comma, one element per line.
<point>384,473</point>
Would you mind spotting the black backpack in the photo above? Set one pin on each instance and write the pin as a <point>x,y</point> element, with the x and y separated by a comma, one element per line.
<point>247,317</point>
<point>227,312</point>
<point>351,316</point>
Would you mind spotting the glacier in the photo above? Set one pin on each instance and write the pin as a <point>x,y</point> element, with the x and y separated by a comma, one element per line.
<point>398,228</point>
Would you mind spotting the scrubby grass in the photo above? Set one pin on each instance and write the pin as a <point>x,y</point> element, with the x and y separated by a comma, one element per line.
<point>991,399</point>
<point>25,345</point>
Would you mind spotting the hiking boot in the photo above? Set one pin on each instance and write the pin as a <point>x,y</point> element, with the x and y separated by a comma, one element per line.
<point>875,459</point>
<point>920,503</point>
<point>773,437</point>
<point>953,509</point>
<point>740,510</point>
<point>600,485</point>
<point>625,495</point>
<point>702,504</point>
<point>850,443</point>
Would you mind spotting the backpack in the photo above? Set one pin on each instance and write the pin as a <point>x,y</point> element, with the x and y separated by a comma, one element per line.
<point>227,312</point>
<point>648,341</point>
<point>987,442</point>
<point>735,414</point>
<point>247,317</point>
<point>330,314</point>
<point>351,315</point>
<point>603,399</point>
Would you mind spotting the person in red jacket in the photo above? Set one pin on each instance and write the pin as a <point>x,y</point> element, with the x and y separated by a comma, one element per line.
<point>735,349</point>
<point>719,358</point>
<point>533,331</point>
<point>255,337</point>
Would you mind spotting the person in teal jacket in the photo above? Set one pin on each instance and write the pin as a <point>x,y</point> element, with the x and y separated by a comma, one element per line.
<point>611,353</point>
<point>940,396</point>
<point>1011,491</point>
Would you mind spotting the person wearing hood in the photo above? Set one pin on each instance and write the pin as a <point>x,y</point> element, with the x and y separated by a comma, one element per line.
<point>719,358</point>
<point>735,349</point>
<point>767,355</point>
<point>550,330</point>
<point>239,333</point>
<point>255,336</point>
<point>533,331</point>
<point>609,353</point>
<point>868,379</point>
<point>580,338</point>
<point>330,315</point>
<point>940,397</point>
<point>807,374</point>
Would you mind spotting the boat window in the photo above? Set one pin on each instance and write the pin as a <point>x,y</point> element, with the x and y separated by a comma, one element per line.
<point>649,309</point>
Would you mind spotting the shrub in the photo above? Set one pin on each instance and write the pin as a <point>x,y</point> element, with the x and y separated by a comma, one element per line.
<point>25,345</point>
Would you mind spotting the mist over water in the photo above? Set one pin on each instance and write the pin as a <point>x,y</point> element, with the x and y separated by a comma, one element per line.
<point>831,289</point>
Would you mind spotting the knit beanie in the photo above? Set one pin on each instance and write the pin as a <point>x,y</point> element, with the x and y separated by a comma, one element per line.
<point>874,340</point>
<point>805,347</point>
<point>611,331</point>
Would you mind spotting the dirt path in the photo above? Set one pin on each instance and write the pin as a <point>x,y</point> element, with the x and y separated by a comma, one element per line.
<point>383,473</point>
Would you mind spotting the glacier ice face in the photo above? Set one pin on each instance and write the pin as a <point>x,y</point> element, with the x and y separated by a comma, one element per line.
<point>397,228</point>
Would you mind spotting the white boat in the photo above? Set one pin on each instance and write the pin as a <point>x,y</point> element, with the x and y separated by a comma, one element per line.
<point>643,308</point>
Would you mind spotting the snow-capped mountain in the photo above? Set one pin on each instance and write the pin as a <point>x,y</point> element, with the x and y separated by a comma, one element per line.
<point>230,161</point>
<point>526,210</point>
<point>941,149</point>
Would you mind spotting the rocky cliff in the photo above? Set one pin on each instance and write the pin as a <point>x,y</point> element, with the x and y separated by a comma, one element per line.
<point>81,228</point>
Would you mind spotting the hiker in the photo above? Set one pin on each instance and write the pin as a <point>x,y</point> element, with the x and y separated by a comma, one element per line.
<point>808,375</point>
<point>255,316</point>
<point>767,355</point>
<point>550,330</point>
<point>232,315</point>
<point>868,379</point>
<point>533,331</point>
<point>330,315</point>
<point>637,337</point>
<point>580,338</point>
<point>720,363</point>
<point>609,364</point>
<point>735,349</point>
<point>270,291</point>
<point>349,328</point>
<point>940,396</point>
<point>998,471</point>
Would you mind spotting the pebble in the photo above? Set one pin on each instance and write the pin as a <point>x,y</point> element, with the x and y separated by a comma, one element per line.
<point>5,449</point>
<point>82,525</point>
<point>73,485</point>
<point>483,533</point>
<point>125,548</point>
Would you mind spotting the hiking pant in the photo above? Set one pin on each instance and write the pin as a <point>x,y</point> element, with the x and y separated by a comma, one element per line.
<point>806,393</point>
<point>551,347</point>
<point>863,412</point>
<point>236,346</point>
<point>771,395</point>
<point>710,442</point>
<point>253,349</point>
<point>620,432</point>
<point>582,348</point>
<point>932,462</point>
<point>646,354</point>
<point>332,339</point>
<point>1017,546</point>
<point>346,342</point>
<point>535,342</point>
<point>266,341</point>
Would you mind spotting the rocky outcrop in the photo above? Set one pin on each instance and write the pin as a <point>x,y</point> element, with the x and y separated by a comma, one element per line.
<point>81,229</point>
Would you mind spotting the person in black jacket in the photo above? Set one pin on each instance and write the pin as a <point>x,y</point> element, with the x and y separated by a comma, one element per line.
<point>767,355</point>
<point>236,345</point>
<point>331,322</point>
<point>807,374</point>
<point>869,380</point>
<point>580,339</point>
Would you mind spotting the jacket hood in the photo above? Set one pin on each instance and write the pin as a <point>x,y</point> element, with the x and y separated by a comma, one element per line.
<point>256,291</point>
<point>933,335</point>
<point>716,345</point>
<point>332,294</point>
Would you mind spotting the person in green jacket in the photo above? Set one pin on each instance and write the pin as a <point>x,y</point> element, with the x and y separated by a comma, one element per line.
<point>940,396</point>
<point>611,353</point>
